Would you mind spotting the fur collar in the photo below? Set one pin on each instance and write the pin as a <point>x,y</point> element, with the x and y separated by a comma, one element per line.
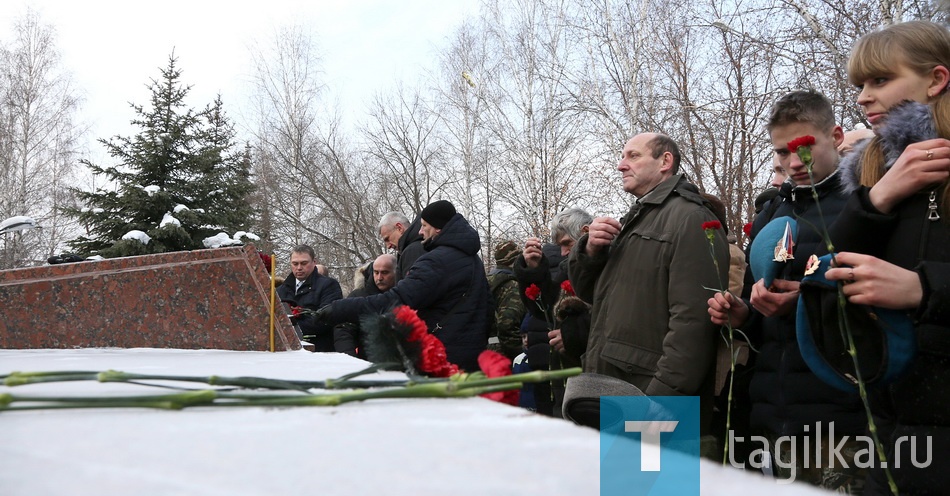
<point>909,122</point>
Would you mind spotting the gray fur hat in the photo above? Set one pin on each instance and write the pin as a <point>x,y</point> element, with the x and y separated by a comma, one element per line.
<point>582,398</point>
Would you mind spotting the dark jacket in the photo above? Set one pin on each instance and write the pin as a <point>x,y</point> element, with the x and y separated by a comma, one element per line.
<point>448,288</point>
<point>346,336</point>
<point>317,291</point>
<point>409,248</point>
<point>918,404</point>
<point>649,322</point>
<point>786,395</point>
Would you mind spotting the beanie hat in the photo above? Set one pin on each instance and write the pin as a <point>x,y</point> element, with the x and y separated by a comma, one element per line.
<point>506,253</point>
<point>438,213</point>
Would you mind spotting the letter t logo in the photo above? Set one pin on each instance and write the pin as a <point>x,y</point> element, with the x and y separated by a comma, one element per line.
<point>649,433</point>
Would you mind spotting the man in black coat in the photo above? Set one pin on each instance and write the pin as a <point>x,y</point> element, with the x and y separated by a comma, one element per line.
<point>306,288</point>
<point>446,286</point>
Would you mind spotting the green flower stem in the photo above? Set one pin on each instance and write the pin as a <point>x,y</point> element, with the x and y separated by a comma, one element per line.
<point>443,388</point>
<point>843,324</point>
<point>346,382</point>
<point>711,236</point>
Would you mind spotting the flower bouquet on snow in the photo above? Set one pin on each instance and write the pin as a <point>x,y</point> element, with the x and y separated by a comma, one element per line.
<point>397,338</point>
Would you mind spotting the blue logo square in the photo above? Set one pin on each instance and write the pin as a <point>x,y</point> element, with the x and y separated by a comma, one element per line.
<point>649,445</point>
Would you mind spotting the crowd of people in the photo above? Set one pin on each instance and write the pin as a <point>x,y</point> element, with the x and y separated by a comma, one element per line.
<point>643,299</point>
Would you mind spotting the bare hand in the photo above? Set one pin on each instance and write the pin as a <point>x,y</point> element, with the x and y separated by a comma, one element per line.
<point>723,306</point>
<point>555,340</point>
<point>602,231</point>
<point>921,165</point>
<point>780,299</point>
<point>532,253</point>
<point>872,281</point>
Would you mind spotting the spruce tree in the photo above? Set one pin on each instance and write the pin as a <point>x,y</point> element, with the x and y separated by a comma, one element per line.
<point>182,165</point>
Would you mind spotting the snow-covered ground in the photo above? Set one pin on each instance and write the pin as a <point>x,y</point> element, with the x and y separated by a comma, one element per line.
<point>406,446</point>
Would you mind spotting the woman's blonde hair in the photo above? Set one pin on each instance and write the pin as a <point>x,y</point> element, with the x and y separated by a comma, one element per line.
<point>919,45</point>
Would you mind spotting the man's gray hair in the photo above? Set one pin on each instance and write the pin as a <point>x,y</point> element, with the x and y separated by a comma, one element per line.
<point>570,222</point>
<point>391,219</point>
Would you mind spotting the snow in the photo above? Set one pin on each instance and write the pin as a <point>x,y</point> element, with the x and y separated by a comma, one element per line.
<point>180,207</point>
<point>242,234</point>
<point>151,189</point>
<point>139,235</point>
<point>219,240</point>
<point>169,219</point>
<point>17,223</point>
<point>97,210</point>
<point>468,446</point>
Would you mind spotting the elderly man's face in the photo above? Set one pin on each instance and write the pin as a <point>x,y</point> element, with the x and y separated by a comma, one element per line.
<point>391,234</point>
<point>384,273</point>
<point>641,172</point>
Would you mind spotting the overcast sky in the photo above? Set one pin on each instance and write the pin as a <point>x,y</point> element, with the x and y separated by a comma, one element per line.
<point>113,48</point>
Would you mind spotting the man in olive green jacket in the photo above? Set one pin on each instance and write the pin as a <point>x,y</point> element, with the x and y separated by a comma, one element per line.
<point>646,277</point>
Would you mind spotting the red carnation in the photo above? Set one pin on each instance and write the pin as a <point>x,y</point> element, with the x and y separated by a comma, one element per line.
<point>800,141</point>
<point>494,364</point>
<point>532,292</point>
<point>712,224</point>
<point>296,311</point>
<point>433,360</point>
<point>566,286</point>
<point>747,229</point>
<point>408,317</point>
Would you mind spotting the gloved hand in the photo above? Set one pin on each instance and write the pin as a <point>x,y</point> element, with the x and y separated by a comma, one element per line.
<point>323,314</point>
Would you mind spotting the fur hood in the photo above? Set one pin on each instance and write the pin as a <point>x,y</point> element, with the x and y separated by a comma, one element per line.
<point>909,122</point>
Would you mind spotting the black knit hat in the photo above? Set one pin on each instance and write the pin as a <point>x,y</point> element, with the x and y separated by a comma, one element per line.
<point>438,213</point>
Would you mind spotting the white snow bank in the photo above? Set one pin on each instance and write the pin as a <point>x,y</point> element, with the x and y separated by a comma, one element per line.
<point>169,219</point>
<point>139,235</point>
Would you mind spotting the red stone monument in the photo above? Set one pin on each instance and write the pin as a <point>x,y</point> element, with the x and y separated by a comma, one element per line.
<point>218,298</point>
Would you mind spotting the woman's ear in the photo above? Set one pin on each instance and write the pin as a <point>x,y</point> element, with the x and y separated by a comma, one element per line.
<point>941,81</point>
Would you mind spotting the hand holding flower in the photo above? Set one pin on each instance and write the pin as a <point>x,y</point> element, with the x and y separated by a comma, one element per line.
<point>872,281</point>
<point>726,309</point>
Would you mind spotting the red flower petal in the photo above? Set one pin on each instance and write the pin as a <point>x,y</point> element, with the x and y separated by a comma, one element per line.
<point>433,360</point>
<point>747,229</point>
<point>800,141</point>
<point>494,364</point>
<point>410,318</point>
<point>566,286</point>
<point>532,292</point>
<point>712,224</point>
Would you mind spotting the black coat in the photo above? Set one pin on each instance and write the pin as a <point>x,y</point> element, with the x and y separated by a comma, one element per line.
<point>447,287</point>
<point>917,405</point>
<point>786,395</point>
<point>317,291</point>
<point>409,248</point>
<point>347,336</point>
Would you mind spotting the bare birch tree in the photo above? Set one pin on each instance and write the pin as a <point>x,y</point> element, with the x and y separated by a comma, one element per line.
<point>39,141</point>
